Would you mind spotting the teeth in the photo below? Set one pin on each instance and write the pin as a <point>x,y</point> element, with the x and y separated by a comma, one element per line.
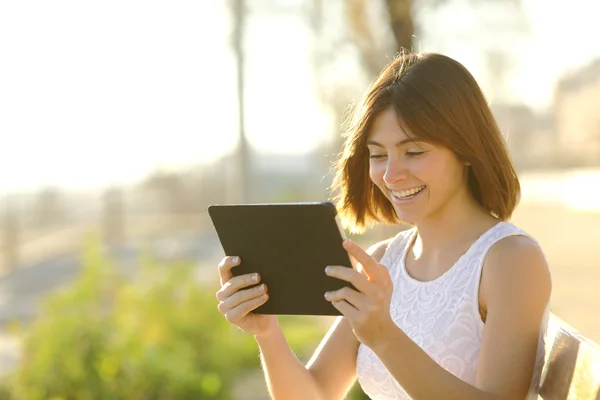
<point>406,193</point>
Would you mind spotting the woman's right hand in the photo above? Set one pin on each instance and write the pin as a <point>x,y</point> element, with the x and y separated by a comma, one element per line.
<point>236,301</point>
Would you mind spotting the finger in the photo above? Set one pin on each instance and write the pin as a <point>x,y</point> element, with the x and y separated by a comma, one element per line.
<point>236,283</point>
<point>357,279</point>
<point>356,299</point>
<point>238,313</point>
<point>225,268</point>
<point>240,297</point>
<point>368,263</point>
<point>346,309</point>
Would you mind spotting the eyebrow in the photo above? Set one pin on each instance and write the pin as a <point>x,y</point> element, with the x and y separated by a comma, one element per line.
<point>400,143</point>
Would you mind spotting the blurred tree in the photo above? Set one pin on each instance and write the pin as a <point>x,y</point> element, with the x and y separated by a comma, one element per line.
<point>401,22</point>
<point>239,177</point>
<point>373,31</point>
<point>363,31</point>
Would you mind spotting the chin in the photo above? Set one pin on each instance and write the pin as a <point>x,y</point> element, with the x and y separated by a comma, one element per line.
<point>411,218</point>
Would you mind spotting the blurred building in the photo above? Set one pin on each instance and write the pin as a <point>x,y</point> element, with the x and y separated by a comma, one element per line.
<point>578,117</point>
<point>529,135</point>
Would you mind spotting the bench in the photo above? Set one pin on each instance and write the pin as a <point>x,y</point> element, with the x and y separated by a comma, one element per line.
<point>572,370</point>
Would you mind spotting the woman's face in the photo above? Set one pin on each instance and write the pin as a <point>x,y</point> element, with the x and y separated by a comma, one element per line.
<point>419,179</point>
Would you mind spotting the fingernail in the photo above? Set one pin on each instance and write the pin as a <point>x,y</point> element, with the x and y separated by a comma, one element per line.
<point>235,260</point>
<point>328,270</point>
<point>327,295</point>
<point>255,277</point>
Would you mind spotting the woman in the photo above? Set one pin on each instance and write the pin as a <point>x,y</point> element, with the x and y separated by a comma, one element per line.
<point>454,308</point>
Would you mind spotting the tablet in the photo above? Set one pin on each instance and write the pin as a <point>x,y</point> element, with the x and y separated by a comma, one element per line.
<point>289,245</point>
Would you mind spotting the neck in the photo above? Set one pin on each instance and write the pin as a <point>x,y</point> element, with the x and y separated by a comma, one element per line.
<point>461,219</point>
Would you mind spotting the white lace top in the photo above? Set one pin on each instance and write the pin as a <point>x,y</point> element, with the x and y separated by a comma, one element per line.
<point>441,316</point>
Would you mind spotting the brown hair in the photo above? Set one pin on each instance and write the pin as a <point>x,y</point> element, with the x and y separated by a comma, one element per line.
<point>436,99</point>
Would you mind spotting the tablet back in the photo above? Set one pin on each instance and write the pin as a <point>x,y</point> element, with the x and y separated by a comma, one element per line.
<point>289,245</point>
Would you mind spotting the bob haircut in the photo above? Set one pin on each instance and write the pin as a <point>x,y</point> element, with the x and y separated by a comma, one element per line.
<point>436,100</point>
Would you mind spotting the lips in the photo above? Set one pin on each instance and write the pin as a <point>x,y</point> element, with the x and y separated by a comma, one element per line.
<point>408,193</point>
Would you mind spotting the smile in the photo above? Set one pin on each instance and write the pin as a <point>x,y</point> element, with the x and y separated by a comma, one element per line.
<point>407,194</point>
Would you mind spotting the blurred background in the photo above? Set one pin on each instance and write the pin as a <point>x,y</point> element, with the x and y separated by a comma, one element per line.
<point>121,121</point>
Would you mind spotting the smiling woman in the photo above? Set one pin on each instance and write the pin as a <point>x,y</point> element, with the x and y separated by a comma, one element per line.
<point>456,307</point>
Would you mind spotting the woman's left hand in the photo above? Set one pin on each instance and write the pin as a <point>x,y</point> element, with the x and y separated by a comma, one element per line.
<point>368,308</point>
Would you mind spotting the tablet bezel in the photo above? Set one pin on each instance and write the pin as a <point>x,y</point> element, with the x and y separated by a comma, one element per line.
<point>310,231</point>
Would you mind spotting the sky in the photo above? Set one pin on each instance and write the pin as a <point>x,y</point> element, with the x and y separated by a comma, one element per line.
<point>98,93</point>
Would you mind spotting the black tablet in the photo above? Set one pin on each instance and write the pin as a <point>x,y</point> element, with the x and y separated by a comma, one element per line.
<point>289,245</point>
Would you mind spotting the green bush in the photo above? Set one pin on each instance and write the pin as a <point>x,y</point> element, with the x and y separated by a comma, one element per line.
<point>156,337</point>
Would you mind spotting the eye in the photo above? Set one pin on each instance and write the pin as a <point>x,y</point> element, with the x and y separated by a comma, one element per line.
<point>377,156</point>
<point>414,153</point>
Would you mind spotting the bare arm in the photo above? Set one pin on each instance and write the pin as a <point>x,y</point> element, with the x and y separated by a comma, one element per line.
<point>516,288</point>
<point>332,369</point>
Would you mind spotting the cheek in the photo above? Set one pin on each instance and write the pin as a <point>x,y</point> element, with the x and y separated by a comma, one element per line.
<point>443,176</point>
<point>426,169</point>
<point>423,168</point>
<point>376,172</point>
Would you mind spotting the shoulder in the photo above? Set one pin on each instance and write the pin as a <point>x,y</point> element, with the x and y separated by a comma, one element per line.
<point>516,267</point>
<point>379,249</point>
<point>516,254</point>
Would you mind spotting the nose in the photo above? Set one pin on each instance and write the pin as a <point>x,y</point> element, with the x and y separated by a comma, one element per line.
<point>395,171</point>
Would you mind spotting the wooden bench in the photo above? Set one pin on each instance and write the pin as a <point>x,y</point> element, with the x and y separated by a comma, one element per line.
<point>572,370</point>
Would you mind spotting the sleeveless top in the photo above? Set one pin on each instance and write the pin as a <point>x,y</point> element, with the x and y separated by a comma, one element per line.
<point>441,316</point>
